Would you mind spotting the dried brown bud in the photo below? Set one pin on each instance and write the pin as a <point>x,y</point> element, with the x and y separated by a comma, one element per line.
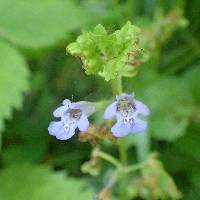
<point>96,133</point>
<point>105,194</point>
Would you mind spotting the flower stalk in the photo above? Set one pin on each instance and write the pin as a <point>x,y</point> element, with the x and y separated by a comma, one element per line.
<point>116,86</point>
<point>134,167</point>
<point>142,146</point>
<point>109,158</point>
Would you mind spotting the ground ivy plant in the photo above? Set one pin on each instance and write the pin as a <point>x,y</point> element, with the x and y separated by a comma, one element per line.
<point>113,56</point>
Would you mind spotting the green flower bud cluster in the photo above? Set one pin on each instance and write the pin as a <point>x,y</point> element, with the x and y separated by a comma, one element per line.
<point>109,55</point>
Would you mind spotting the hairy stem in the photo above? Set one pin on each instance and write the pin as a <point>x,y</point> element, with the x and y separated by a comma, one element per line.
<point>109,158</point>
<point>116,85</point>
<point>122,151</point>
<point>135,167</point>
<point>142,146</point>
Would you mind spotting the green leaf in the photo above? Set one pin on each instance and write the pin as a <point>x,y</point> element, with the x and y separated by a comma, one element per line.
<point>35,23</point>
<point>195,178</point>
<point>193,80</point>
<point>170,102</point>
<point>192,194</point>
<point>186,149</point>
<point>155,34</point>
<point>32,140</point>
<point>191,141</point>
<point>164,184</point>
<point>155,182</point>
<point>108,55</point>
<point>24,181</point>
<point>13,80</point>
<point>166,126</point>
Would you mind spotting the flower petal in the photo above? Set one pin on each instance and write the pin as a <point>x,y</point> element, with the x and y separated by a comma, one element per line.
<point>139,126</point>
<point>120,130</point>
<point>83,123</point>
<point>66,102</point>
<point>58,112</point>
<point>86,107</point>
<point>110,111</point>
<point>57,129</point>
<point>68,134</point>
<point>125,96</point>
<point>141,108</point>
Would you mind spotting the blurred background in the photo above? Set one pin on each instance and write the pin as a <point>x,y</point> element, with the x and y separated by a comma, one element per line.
<point>36,75</point>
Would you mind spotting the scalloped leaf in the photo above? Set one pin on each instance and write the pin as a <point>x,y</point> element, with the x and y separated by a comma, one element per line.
<point>170,102</point>
<point>24,181</point>
<point>36,23</point>
<point>13,80</point>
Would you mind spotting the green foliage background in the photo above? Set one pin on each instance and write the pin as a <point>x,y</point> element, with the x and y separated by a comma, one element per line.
<point>36,75</point>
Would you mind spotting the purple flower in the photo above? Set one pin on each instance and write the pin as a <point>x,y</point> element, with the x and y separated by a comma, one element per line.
<point>126,110</point>
<point>72,115</point>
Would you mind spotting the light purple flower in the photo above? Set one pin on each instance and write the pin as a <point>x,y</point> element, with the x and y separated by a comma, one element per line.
<point>126,109</point>
<point>72,115</point>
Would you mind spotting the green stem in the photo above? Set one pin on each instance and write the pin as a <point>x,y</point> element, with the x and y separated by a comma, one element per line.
<point>116,85</point>
<point>1,139</point>
<point>101,105</point>
<point>110,159</point>
<point>142,146</point>
<point>134,167</point>
<point>122,151</point>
